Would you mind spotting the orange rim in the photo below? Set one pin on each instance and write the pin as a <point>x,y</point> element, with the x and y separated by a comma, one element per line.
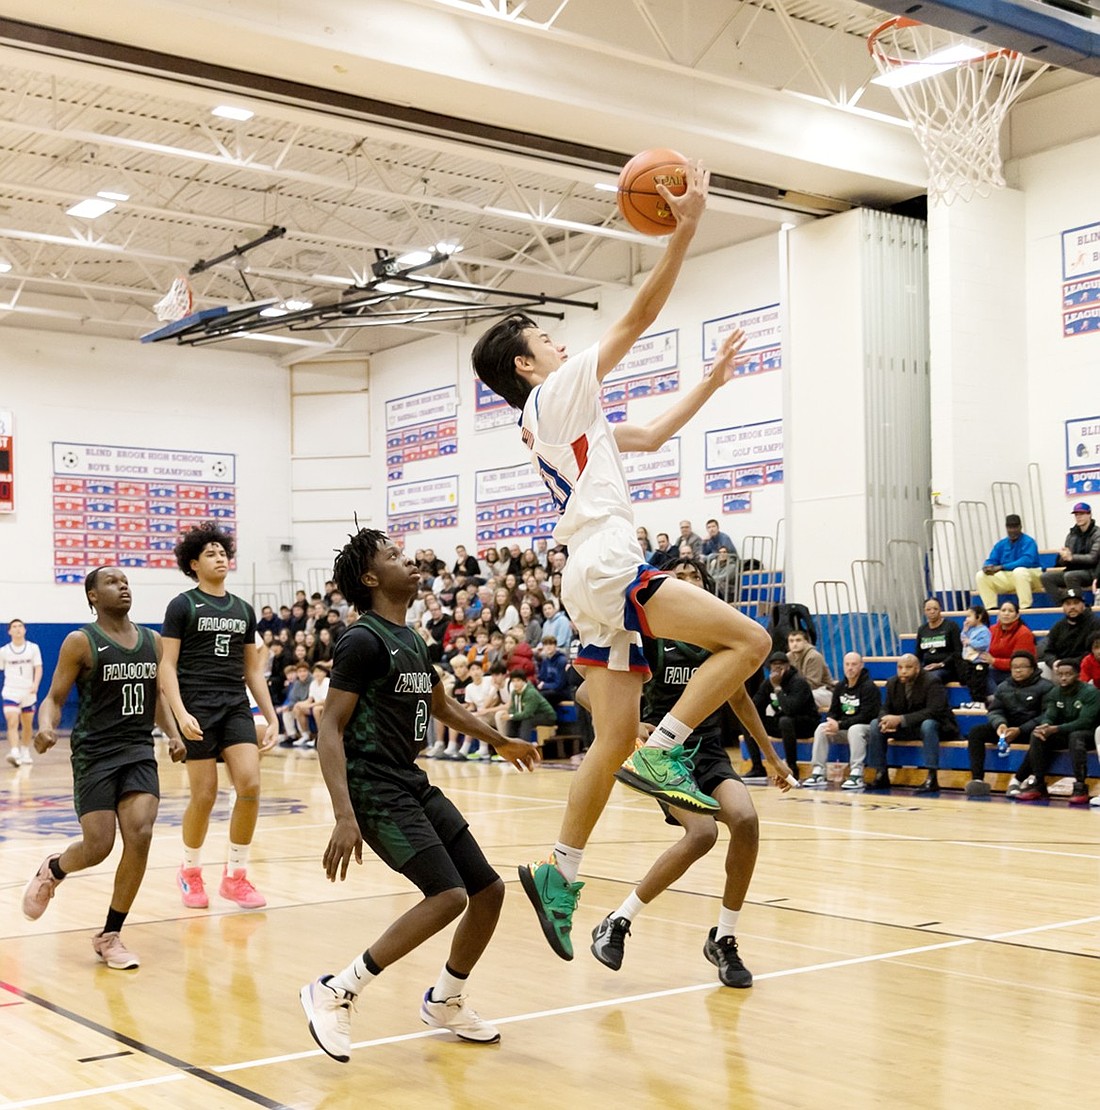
<point>899,22</point>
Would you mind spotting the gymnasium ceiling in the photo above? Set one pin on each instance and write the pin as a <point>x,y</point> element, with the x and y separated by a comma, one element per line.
<point>384,126</point>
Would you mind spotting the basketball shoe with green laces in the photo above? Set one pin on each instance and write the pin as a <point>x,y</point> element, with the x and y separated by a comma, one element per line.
<point>554,899</point>
<point>667,774</point>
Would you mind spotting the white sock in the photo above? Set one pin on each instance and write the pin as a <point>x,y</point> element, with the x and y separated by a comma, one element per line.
<point>568,860</point>
<point>238,857</point>
<point>353,978</point>
<point>631,907</point>
<point>727,923</point>
<point>668,733</point>
<point>449,985</point>
<point>192,857</point>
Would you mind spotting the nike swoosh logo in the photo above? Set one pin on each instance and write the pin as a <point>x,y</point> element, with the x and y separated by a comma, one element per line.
<point>103,648</point>
<point>395,651</point>
<point>200,604</point>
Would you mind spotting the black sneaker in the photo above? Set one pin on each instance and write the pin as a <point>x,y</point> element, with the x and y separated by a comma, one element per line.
<point>608,939</point>
<point>723,954</point>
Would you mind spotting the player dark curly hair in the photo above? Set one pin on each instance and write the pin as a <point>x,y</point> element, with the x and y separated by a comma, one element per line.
<point>494,358</point>
<point>689,561</point>
<point>192,543</point>
<point>353,561</point>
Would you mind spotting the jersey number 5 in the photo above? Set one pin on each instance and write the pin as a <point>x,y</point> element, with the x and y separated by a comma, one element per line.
<point>221,643</point>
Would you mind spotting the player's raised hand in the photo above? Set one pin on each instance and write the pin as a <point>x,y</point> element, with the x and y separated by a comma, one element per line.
<point>727,359</point>
<point>689,206</point>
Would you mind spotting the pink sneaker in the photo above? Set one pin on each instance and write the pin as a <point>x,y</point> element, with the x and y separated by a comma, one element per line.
<point>38,892</point>
<point>110,949</point>
<point>236,887</point>
<point>190,884</point>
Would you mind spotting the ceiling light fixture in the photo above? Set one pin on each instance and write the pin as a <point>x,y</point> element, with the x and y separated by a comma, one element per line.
<point>227,111</point>
<point>5,267</point>
<point>90,208</point>
<point>414,258</point>
<point>108,194</point>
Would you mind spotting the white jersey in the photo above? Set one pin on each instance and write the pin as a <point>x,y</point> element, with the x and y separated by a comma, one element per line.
<point>481,695</point>
<point>573,448</point>
<point>18,665</point>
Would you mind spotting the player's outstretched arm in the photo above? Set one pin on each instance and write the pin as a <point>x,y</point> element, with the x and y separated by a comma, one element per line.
<point>447,711</point>
<point>654,291</point>
<point>743,706</point>
<point>74,659</point>
<point>649,437</point>
<point>346,839</point>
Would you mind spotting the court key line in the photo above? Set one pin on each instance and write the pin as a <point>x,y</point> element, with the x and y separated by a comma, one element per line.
<point>670,992</point>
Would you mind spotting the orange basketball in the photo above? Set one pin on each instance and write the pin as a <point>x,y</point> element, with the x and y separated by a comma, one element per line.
<point>639,202</point>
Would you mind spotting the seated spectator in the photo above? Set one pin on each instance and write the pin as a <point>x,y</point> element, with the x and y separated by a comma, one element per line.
<point>455,742</point>
<point>526,710</point>
<point>974,664</point>
<point>445,589</point>
<point>481,600</point>
<point>337,601</point>
<point>1008,636</point>
<point>517,655</point>
<point>509,558</point>
<point>690,538</point>
<point>504,612</point>
<point>1078,558</point>
<point>429,563</point>
<point>267,621</point>
<point>496,649</point>
<point>296,692</point>
<point>542,552</point>
<point>455,626</point>
<point>811,665</point>
<point>321,651</point>
<point>435,648</point>
<point>716,539</point>
<point>556,623</point>
<point>915,708</point>
<point>1017,708</point>
<point>435,619</point>
<point>786,706</point>
<point>459,645</point>
<point>529,623</point>
<point>466,566</point>
<point>724,572</point>
<point>528,561</point>
<point>1012,567</point>
<point>276,680</point>
<point>856,703</point>
<point>479,694</point>
<point>644,541</point>
<point>939,644</point>
<point>307,713</point>
<point>335,624</point>
<point>553,672</point>
<point>1069,637</point>
<point>297,622</point>
<point>478,651</point>
<point>490,564</point>
<point>662,553</point>
<point>1069,719</point>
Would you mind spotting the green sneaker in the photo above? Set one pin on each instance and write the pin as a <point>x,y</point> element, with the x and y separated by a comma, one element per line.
<point>666,775</point>
<point>554,900</point>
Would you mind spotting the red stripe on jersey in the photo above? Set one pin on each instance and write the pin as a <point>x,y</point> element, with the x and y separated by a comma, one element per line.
<point>580,453</point>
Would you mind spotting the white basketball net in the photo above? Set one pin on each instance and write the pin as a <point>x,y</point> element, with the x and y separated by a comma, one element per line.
<point>176,303</point>
<point>958,107</point>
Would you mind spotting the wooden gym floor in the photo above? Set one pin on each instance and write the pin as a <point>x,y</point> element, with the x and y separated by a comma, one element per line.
<point>926,953</point>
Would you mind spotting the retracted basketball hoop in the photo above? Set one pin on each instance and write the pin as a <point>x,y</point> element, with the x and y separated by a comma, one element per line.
<point>955,92</point>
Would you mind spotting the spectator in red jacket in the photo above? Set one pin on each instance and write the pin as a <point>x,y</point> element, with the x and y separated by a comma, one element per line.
<point>1009,636</point>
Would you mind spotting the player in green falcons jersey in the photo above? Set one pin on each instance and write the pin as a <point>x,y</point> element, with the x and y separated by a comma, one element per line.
<point>382,695</point>
<point>210,655</point>
<point>113,663</point>
<point>672,663</point>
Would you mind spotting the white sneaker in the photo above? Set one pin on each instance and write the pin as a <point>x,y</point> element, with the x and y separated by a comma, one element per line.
<point>436,750</point>
<point>25,757</point>
<point>329,1012</point>
<point>1014,787</point>
<point>13,757</point>
<point>1095,801</point>
<point>460,1019</point>
<point>852,782</point>
<point>816,778</point>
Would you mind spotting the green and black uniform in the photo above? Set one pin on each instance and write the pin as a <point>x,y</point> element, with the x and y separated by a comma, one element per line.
<point>411,825</point>
<point>112,740</point>
<point>672,664</point>
<point>213,632</point>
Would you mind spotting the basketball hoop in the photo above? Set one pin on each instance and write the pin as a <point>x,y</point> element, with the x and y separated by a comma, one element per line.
<point>955,93</point>
<point>176,303</point>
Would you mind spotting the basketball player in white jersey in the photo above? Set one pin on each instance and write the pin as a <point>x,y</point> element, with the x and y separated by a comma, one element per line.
<point>610,592</point>
<point>21,662</point>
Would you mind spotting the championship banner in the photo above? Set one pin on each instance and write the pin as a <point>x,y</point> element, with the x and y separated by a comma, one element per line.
<point>653,475</point>
<point>422,506</point>
<point>421,426</point>
<point>490,409</point>
<point>649,368</point>
<point>743,457</point>
<point>511,501</point>
<point>762,351</point>
<point>128,505</point>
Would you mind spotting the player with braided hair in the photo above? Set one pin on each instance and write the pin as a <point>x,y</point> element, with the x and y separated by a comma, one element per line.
<point>382,695</point>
